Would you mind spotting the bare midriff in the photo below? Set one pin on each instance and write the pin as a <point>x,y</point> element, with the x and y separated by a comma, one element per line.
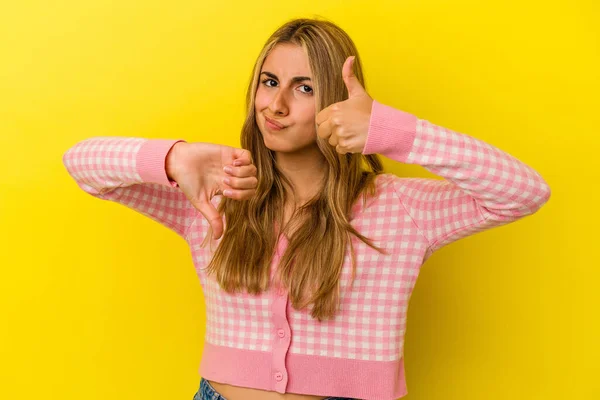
<point>231,392</point>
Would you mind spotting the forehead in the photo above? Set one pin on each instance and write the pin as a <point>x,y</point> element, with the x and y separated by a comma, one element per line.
<point>287,60</point>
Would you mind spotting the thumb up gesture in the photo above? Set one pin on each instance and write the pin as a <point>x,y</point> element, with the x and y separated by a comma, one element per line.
<point>346,123</point>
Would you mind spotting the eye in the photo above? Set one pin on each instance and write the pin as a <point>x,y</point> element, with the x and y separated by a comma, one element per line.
<point>309,88</point>
<point>267,80</point>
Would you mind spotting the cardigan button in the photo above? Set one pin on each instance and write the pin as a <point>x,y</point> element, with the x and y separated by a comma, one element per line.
<point>281,333</point>
<point>278,376</point>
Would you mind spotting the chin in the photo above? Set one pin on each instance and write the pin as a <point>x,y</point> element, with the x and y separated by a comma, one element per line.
<point>287,147</point>
<point>281,147</point>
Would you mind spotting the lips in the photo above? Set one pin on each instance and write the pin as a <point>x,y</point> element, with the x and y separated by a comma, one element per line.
<point>277,124</point>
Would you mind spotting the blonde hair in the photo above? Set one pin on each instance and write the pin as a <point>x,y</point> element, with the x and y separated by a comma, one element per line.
<point>311,266</point>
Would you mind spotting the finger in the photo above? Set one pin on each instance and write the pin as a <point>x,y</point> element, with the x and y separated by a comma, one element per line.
<point>325,129</point>
<point>333,139</point>
<point>208,210</point>
<point>324,114</point>
<point>243,171</point>
<point>240,183</point>
<point>242,157</point>
<point>246,194</point>
<point>352,83</point>
<point>340,150</point>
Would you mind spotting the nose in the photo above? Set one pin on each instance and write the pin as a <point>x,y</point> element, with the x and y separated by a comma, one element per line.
<point>278,105</point>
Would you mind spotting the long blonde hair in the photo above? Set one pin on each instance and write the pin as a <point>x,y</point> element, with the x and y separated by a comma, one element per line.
<point>312,263</point>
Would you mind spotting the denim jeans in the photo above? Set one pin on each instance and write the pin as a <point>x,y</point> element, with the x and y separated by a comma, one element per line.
<point>207,392</point>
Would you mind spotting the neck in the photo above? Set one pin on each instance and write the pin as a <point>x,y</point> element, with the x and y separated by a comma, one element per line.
<point>305,170</point>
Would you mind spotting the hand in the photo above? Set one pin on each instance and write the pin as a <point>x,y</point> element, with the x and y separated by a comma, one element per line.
<point>346,123</point>
<point>198,169</point>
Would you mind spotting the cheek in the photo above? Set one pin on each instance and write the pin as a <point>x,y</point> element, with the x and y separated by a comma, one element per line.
<point>309,116</point>
<point>260,100</point>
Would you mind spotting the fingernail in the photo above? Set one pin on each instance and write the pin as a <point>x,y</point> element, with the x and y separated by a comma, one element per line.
<point>228,169</point>
<point>227,181</point>
<point>237,163</point>
<point>227,192</point>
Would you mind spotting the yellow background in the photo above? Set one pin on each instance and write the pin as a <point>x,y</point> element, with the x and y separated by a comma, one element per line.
<point>99,302</point>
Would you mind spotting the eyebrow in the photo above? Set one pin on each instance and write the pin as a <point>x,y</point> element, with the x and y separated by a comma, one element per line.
<point>294,79</point>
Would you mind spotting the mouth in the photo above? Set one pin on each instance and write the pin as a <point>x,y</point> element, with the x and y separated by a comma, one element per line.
<point>273,124</point>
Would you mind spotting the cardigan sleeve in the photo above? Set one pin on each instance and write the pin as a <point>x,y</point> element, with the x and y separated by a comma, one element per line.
<point>131,171</point>
<point>482,186</point>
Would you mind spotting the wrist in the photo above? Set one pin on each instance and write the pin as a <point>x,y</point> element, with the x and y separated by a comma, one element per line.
<point>173,159</point>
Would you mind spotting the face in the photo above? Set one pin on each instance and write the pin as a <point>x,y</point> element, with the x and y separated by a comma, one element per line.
<point>285,95</point>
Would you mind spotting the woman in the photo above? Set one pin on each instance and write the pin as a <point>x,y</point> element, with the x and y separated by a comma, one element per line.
<point>314,250</point>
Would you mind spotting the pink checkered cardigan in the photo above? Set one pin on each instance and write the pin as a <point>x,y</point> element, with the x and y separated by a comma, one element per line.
<point>261,341</point>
